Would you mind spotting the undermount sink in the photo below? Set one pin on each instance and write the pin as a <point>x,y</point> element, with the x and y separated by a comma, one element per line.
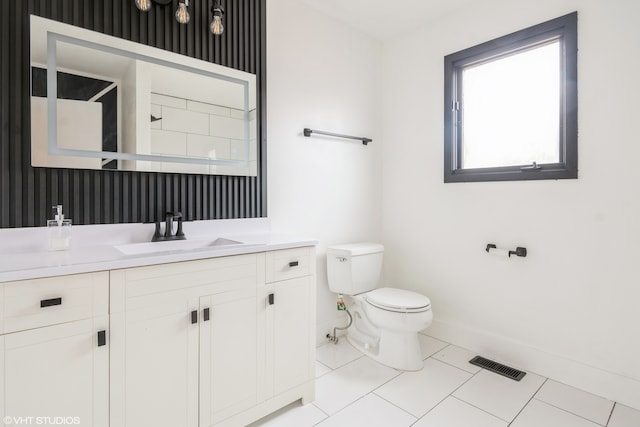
<point>176,245</point>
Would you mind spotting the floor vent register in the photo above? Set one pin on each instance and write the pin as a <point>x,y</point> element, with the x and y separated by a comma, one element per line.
<point>498,368</point>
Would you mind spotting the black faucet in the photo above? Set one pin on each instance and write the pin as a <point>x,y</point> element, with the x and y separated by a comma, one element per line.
<point>170,217</point>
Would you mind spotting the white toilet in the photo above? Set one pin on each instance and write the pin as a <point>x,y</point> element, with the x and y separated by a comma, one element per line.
<point>386,321</point>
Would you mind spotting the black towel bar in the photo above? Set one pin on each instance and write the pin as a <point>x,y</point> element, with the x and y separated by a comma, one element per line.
<point>308,132</point>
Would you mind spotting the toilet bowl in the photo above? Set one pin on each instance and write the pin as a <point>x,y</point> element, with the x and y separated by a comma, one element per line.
<point>387,331</point>
<point>386,321</point>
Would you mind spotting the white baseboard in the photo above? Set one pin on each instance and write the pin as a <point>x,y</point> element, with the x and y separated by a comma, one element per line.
<point>603,383</point>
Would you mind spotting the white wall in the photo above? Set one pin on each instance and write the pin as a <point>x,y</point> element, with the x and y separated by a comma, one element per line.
<point>570,309</point>
<point>323,75</point>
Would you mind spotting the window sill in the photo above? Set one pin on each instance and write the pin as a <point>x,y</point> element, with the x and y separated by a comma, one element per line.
<point>512,173</point>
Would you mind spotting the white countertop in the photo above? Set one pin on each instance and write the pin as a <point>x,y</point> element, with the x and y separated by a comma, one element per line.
<point>23,253</point>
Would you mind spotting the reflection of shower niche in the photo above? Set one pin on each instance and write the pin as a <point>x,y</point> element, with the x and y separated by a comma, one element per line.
<point>87,119</point>
<point>99,102</point>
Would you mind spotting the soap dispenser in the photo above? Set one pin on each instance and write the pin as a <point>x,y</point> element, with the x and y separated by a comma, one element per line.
<point>59,230</point>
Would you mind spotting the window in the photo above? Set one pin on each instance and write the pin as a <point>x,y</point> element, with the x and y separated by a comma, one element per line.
<point>511,106</point>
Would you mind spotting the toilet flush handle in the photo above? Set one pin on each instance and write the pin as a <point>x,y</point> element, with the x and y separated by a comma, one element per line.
<point>341,259</point>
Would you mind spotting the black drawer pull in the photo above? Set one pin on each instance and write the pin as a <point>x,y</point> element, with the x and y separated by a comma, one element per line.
<point>50,302</point>
<point>205,315</point>
<point>194,316</point>
<point>271,299</point>
<point>293,264</point>
<point>102,338</point>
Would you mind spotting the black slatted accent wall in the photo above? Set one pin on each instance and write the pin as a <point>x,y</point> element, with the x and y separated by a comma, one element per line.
<point>99,197</point>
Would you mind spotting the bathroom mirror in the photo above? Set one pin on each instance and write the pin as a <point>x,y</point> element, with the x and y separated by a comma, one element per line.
<point>100,102</point>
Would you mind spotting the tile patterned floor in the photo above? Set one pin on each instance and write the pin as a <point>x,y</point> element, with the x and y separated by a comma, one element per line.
<point>352,390</point>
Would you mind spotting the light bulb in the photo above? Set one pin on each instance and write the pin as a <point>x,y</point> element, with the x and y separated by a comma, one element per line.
<point>216,25</point>
<point>143,5</point>
<point>182,14</point>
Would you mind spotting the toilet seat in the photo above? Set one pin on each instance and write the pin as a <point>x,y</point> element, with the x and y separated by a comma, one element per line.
<point>398,300</point>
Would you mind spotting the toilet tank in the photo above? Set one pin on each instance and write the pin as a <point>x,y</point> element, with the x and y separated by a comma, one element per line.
<point>354,268</point>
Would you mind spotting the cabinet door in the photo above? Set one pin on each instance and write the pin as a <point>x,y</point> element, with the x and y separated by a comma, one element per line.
<point>293,331</point>
<point>155,362</point>
<point>228,354</point>
<point>57,375</point>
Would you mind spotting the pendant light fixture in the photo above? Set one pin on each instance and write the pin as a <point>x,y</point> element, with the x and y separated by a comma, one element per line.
<point>182,13</point>
<point>216,23</point>
<point>143,5</point>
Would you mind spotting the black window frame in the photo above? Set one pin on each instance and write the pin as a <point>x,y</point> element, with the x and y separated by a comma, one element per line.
<point>563,29</point>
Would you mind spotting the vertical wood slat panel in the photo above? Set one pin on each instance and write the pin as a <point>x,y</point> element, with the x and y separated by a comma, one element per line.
<point>259,46</point>
<point>5,55</point>
<point>96,197</point>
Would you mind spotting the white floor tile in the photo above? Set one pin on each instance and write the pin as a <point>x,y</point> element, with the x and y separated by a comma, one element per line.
<point>321,369</point>
<point>455,413</point>
<point>578,402</point>
<point>623,416</point>
<point>353,390</point>
<point>498,395</point>
<point>294,415</point>
<point>347,384</point>
<point>370,411</point>
<point>418,392</point>
<point>336,355</point>
<point>538,414</point>
<point>458,357</point>
<point>429,345</point>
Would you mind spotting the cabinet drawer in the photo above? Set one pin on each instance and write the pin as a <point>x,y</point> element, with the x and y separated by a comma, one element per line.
<point>288,264</point>
<point>42,302</point>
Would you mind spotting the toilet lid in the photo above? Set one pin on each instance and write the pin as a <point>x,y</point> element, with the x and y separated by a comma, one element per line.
<point>398,300</point>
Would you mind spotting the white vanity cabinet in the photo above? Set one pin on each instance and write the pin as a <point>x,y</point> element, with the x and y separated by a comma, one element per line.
<point>220,341</point>
<point>228,355</point>
<point>290,322</point>
<point>197,343</point>
<point>54,352</point>
<point>184,341</point>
